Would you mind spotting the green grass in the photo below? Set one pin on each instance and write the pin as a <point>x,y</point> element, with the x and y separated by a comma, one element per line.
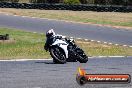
<point>98,49</point>
<point>28,45</point>
<point>23,1</point>
<point>25,45</point>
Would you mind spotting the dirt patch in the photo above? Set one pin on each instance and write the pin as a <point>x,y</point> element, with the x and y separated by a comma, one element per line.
<point>11,41</point>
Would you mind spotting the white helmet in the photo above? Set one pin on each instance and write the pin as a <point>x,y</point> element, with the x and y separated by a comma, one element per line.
<point>50,33</point>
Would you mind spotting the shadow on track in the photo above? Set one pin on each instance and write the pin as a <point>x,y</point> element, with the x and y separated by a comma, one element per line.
<point>45,62</point>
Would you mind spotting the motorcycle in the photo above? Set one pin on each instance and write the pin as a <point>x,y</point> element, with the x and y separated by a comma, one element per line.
<point>64,50</point>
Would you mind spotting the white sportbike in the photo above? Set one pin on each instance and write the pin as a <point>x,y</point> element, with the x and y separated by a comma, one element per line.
<point>64,49</point>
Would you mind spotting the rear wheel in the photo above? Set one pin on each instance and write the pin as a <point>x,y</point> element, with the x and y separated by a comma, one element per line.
<point>81,57</point>
<point>58,55</point>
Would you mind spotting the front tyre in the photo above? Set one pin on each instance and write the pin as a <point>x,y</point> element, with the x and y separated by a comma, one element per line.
<point>58,55</point>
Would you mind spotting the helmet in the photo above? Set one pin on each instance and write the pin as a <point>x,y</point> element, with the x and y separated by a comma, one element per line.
<point>50,33</point>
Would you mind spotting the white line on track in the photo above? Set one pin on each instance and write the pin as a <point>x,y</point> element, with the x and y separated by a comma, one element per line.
<point>92,40</point>
<point>35,32</point>
<point>116,56</point>
<point>86,39</point>
<point>130,46</point>
<point>67,21</point>
<point>79,38</point>
<point>24,16</point>
<point>34,17</point>
<point>27,60</point>
<point>15,15</point>
<point>99,41</point>
<point>105,42</point>
<point>108,56</point>
<point>110,43</point>
<point>52,59</point>
<point>116,44</point>
<point>125,45</point>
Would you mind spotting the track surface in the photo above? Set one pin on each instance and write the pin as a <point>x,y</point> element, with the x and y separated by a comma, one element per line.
<point>92,32</point>
<point>45,74</point>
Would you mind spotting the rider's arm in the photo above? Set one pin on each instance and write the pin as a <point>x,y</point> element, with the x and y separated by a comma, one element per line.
<point>48,42</point>
<point>59,37</point>
<point>46,45</point>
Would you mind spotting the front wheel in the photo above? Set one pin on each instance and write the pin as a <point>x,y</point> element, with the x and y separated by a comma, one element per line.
<point>58,55</point>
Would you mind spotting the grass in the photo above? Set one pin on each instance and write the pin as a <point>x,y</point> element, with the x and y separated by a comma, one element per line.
<point>28,45</point>
<point>105,18</point>
<point>98,49</point>
<point>23,1</point>
<point>25,45</point>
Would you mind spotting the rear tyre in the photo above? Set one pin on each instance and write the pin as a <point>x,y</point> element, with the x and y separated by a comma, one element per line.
<point>58,55</point>
<point>81,57</point>
<point>83,60</point>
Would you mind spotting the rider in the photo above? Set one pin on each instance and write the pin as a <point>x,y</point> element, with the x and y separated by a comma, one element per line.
<point>50,35</point>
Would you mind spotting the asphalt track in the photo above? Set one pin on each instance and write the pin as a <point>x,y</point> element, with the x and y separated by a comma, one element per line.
<point>45,74</point>
<point>87,31</point>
